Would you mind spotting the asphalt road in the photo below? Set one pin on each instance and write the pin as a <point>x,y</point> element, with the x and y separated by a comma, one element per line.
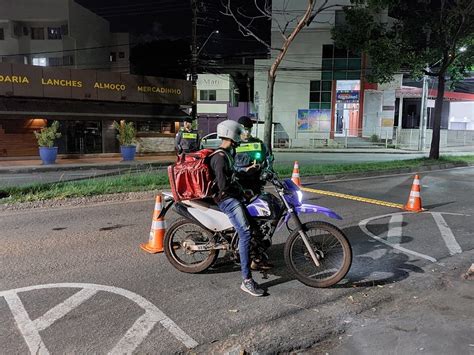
<point>102,293</point>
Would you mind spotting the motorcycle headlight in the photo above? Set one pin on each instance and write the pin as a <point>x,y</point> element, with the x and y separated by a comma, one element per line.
<point>299,193</point>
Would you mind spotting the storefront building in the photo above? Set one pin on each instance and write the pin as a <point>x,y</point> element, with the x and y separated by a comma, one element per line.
<point>86,103</point>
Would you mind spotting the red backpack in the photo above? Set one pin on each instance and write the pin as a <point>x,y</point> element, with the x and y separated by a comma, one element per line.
<point>191,177</point>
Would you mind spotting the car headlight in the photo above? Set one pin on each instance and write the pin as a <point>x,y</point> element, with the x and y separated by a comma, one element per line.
<point>299,193</point>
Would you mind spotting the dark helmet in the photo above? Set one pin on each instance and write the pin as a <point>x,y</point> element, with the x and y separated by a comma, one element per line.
<point>188,119</point>
<point>245,121</point>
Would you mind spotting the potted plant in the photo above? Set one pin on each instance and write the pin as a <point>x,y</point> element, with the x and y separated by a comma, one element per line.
<point>127,138</point>
<point>46,137</point>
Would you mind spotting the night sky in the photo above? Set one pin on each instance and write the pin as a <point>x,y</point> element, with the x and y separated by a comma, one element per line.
<point>171,19</point>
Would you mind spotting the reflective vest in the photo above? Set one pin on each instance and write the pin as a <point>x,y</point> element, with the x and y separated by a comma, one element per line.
<point>248,152</point>
<point>187,141</point>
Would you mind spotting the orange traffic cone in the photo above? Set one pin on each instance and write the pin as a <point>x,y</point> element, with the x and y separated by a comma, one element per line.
<point>157,233</point>
<point>414,200</point>
<point>295,177</point>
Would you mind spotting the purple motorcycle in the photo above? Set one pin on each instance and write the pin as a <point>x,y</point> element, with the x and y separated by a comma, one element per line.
<point>317,253</point>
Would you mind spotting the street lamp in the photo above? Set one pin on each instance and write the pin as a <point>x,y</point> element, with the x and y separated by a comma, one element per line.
<point>207,39</point>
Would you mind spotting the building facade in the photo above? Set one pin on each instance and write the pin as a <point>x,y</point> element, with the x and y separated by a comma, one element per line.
<point>321,96</point>
<point>60,33</point>
<point>86,103</point>
<point>218,98</point>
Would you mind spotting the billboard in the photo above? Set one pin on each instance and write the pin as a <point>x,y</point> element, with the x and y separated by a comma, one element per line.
<point>314,120</point>
<point>34,81</point>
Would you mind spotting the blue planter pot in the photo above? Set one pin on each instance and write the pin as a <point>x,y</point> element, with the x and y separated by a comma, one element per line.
<point>48,155</point>
<point>128,152</point>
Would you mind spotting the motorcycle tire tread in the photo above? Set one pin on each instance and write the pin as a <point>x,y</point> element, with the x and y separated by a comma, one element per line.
<point>339,275</point>
<point>204,265</point>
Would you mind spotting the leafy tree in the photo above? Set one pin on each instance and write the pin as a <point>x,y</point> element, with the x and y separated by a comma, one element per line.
<point>420,37</point>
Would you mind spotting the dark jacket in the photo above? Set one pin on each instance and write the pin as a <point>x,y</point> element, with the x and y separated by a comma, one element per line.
<point>186,141</point>
<point>221,164</point>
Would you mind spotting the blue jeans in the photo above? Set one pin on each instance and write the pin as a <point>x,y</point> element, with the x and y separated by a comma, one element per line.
<point>234,209</point>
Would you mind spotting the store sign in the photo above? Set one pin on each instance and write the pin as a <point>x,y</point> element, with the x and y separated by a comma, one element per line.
<point>34,81</point>
<point>314,120</point>
<point>348,96</point>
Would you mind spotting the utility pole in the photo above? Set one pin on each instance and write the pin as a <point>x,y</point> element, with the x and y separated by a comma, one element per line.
<point>194,57</point>
<point>423,113</point>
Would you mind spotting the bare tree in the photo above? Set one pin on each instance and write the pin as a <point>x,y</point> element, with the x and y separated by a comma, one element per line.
<point>263,10</point>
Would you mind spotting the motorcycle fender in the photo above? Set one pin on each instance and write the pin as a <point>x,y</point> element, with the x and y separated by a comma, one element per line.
<point>307,208</point>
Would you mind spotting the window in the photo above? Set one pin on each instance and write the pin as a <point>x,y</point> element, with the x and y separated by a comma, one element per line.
<point>121,55</point>
<point>2,34</point>
<point>54,33</point>
<point>320,94</point>
<point>207,95</point>
<point>113,56</point>
<point>37,33</point>
<point>41,62</point>
<point>339,64</point>
<point>155,127</point>
<point>55,61</point>
<point>25,31</point>
<point>68,60</point>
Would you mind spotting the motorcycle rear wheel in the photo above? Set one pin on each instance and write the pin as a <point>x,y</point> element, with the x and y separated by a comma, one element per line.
<point>330,243</point>
<point>182,232</point>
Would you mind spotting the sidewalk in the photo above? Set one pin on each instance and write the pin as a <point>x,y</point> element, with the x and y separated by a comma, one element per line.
<point>445,150</point>
<point>98,163</point>
<point>431,313</point>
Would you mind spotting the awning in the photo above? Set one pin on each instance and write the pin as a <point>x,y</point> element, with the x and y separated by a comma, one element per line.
<point>87,110</point>
<point>409,92</point>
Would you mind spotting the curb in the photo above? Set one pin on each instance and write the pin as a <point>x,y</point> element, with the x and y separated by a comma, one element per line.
<point>350,151</point>
<point>54,168</point>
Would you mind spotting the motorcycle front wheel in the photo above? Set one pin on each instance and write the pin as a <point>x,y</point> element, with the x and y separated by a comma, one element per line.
<point>180,236</point>
<point>332,247</point>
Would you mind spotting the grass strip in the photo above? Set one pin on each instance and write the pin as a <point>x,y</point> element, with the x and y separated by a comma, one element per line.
<point>158,179</point>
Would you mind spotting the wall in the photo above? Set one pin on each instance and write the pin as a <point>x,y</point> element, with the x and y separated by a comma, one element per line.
<point>155,145</point>
<point>17,138</point>
<point>89,30</point>
<point>292,87</point>
<point>461,112</point>
<point>121,43</point>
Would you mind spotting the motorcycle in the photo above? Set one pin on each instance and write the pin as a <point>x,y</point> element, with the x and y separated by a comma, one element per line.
<point>317,253</point>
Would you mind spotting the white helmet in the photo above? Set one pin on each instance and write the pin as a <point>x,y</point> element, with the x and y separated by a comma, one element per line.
<point>229,129</point>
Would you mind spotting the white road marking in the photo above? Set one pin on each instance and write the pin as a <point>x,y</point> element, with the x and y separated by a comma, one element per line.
<point>394,235</point>
<point>363,226</point>
<point>25,325</point>
<point>59,311</point>
<point>447,234</point>
<point>131,340</point>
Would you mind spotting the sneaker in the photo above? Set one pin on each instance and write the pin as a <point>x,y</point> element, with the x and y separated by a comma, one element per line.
<point>250,286</point>
<point>260,265</point>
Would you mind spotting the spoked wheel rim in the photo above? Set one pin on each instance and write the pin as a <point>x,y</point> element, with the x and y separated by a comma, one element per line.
<point>327,246</point>
<point>189,234</point>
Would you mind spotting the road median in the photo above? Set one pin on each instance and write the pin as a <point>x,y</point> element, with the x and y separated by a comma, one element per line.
<point>154,180</point>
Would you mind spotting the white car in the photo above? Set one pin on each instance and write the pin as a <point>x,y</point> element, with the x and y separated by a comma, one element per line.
<point>210,141</point>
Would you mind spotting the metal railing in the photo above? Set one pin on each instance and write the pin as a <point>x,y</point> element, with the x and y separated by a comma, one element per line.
<point>372,138</point>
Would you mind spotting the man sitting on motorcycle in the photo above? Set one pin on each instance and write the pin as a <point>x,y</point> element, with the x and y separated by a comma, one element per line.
<point>228,198</point>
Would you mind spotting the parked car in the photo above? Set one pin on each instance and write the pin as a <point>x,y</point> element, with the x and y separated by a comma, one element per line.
<point>210,141</point>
